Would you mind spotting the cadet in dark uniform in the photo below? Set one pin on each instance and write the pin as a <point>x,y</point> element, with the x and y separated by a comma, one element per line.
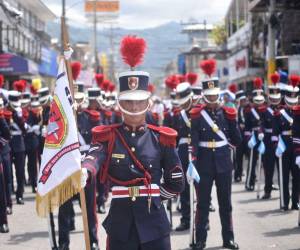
<point>4,137</point>
<point>17,128</point>
<point>214,130</point>
<point>6,159</point>
<point>254,125</point>
<point>242,150</point>
<point>269,123</point>
<point>182,124</point>
<point>86,120</point>
<point>285,122</point>
<point>135,156</point>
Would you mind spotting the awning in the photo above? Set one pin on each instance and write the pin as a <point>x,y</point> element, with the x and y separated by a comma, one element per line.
<point>11,64</point>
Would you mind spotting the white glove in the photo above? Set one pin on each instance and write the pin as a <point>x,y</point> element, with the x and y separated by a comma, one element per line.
<point>84,177</point>
<point>19,111</point>
<point>298,161</point>
<point>261,136</point>
<point>44,131</point>
<point>36,129</point>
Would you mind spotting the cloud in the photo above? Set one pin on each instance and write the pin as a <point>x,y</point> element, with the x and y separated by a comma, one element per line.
<point>150,13</point>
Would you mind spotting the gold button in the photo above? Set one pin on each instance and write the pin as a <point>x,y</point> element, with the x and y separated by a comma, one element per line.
<point>133,149</point>
<point>118,161</point>
<point>133,198</point>
<point>133,134</point>
<point>189,135</point>
<point>214,150</point>
<point>150,166</point>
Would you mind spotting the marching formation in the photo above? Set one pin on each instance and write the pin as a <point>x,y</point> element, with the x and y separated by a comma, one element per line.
<point>147,151</point>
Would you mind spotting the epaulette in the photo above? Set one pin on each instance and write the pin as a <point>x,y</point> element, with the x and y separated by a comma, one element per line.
<point>7,114</point>
<point>195,112</point>
<point>167,136</point>
<point>296,110</point>
<point>262,108</point>
<point>230,113</point>
<point>93,114</point>
<point>103,133</point>
<point>25,114</point>
<point>1,113</point>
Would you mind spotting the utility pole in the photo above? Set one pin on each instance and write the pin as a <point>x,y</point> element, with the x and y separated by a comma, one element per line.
<point>97,68</point>
<point>271,41</point>
<point>112,54</point>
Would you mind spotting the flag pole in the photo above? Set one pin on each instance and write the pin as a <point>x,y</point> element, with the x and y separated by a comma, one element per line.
<point>65,41</point>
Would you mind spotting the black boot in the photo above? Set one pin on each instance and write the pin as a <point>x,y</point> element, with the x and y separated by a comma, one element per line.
<point>200,245</point>
<point>101,209</point>
<point>266,196</point>
<point>4,228</point>
<point>183,226</point>
<point>20,201</point>
<point>230,245</point>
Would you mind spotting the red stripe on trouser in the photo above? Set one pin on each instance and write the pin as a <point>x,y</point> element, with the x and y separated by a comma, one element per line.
<point>107,242</point>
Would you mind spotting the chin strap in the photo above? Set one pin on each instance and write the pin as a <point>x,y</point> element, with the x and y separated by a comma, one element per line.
<point>131,113</point>
<point>207,101</point>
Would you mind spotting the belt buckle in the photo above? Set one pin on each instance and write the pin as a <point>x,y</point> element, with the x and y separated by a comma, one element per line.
<point>133,192</point>
<point>211,144</point>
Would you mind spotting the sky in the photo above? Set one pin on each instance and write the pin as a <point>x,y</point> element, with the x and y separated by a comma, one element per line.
<point>140,14</point>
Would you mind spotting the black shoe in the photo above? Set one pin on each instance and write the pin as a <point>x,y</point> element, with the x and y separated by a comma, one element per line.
<point>266,196</point>
<point>275,187</point>
<point>285,208</point>
<point>20,201</point>
<point>211,208</point>
<point>101,209</point>
<point>230,245</point>
<point>4,228</point>
<point>251,188</point>
<point>33,190</point>
<point>95,246</point>
<point>64,247</point>
<point>295,207</point>
<point>182,227</point>
<point>238,179</point>
<point>199,245</point>
<point>9,210</point>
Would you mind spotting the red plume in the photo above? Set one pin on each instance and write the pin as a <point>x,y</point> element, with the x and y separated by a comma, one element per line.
<point>111,87</point>
<point>99,79</point>
<point>294,80</point>
<point>192,78</point>
<point>133,50</point>
<point>258,83</point>
<point>105,85</point>
<point>232,88</point>
<point>33,90</point>
<point>275,78</point>
<point>1,81</point>
<point>76,68</point>
<point>172,82</point>
<point>181,78</point>
<point>19,85</point>
<point>208,66</point>
<point>151,88</point>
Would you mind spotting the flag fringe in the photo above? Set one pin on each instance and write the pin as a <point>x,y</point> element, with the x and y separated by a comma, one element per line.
<point>59,195</point>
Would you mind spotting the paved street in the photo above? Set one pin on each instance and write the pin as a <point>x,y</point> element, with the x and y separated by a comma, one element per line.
<point>258,225</point>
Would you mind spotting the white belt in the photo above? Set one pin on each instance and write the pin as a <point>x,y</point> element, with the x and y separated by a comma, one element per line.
<point>184,141</point>
<point>212,144</point>
<point>269,130</point>
<point>84,148</point>
<point>255,128</point>
<point>16,133</point>
<point>286,132</point>
<point>135,191</point>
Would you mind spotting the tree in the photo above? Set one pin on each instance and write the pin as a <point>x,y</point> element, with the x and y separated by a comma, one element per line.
<point>219,34</point>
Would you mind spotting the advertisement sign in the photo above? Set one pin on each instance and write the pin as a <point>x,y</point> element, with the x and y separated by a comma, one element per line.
<point>238,65</point>
<point>102,6</point>
<point>48,65</point>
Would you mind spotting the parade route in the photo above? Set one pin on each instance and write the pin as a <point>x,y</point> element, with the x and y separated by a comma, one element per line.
<point>258,225</point>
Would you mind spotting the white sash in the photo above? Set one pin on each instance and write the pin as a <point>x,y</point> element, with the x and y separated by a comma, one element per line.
<point>210,122</point>
<point>286,116</point>
<point>271,111</point>
<point>242,115</point>
<point>256,115</point>
<point>185,118</point>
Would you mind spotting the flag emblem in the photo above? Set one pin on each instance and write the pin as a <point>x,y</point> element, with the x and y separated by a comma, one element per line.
<point>57,127</point>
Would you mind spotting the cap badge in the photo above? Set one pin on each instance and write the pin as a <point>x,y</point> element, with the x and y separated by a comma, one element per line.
<point>133,83</point>
<point>211,85</point>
